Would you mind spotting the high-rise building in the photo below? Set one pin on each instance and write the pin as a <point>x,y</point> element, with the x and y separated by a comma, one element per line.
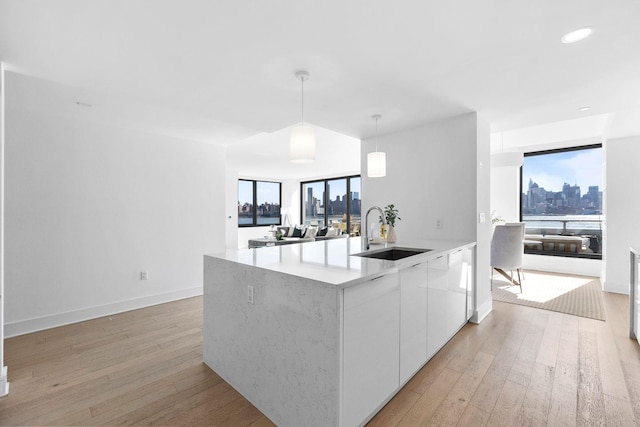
<point>310,208</point>
<point>571,195</point>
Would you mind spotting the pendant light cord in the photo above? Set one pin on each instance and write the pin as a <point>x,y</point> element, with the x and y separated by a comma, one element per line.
<point>302,100</point>
<point>376,133</point>
<point>376,118</point>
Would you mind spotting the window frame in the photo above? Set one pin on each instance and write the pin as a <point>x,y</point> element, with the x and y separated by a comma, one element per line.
<point>325,202</point>
<point>254,222</point>
<point>554,151</point>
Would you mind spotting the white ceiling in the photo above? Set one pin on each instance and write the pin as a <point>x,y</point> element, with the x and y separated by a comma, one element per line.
<point>267,156</point>
<point>222,71</point>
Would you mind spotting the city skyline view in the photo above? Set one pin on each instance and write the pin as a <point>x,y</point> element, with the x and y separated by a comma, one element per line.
<point>551,171</point>
<point>265,203</point>
<point>562,195</point>
<point>563,183</point>
<point>314,197</point>
<point>268,194</point>
<point>324,202</point>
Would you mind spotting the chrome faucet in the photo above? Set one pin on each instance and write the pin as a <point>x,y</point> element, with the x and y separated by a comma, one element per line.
<point>366,223</point>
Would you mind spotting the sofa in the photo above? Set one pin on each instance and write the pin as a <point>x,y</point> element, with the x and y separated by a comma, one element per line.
<point>311,232</point>
<point>545,243</point>
<point>299,234</point>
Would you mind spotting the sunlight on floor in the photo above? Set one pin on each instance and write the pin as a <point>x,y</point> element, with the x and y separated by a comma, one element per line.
<point>531,291</point>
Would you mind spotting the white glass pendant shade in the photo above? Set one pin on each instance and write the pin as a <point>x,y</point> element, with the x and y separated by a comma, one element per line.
<point>376,164</point>
<point>302,146</point>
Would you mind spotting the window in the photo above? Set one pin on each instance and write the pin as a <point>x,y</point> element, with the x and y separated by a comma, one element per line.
<point>334,202</point>
<point>313,203</point>
<point>258,203</point>
<point>561,202</point>
<point>355,206</point>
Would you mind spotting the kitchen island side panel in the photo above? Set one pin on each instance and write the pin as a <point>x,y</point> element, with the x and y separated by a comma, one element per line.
<point>281,352</point>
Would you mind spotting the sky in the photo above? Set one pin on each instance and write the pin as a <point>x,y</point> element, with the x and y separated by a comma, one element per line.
<point>551,171</point>
<point>267,191</point>
<point>337,187</point>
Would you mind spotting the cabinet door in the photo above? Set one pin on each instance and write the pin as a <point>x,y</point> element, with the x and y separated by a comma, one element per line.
<point>457,292</point>
<point>437,305</point>
<point>413,320</point>
<point>371,337</point>
<point>469,261</point>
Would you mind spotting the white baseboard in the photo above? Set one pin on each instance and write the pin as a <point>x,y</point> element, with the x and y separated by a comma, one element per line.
<point>483,311</point>
<point>4,384</point>
<point>22,327</point>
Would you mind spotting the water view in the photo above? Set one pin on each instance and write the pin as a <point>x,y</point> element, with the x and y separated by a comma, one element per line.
<point>560,222</point>
<point>562,202</point>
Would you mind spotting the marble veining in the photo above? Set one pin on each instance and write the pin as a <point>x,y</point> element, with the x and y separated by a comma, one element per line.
<point>287,341</point>
<point>284,352</point>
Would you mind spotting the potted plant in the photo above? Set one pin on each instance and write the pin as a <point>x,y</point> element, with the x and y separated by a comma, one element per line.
<point>391,216</point>
<point>496,219</point>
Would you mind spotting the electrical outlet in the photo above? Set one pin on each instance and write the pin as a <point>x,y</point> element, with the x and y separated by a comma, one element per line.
<point>144,275</point>
<point>439,224</point>
<point>481,217</point>
<point>250,299</point>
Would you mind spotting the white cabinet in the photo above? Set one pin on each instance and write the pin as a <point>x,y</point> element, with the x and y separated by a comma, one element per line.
<point>413,320</point>
<point>450,296</point>
<point>437,302</point>
<point>394,323</point>
<point>456,292</point>
<point>370,350</point>
<point>469,261</point>
<point>461,282</point>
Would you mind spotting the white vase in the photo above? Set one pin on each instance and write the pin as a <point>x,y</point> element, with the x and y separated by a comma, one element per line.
<point>391,234</point>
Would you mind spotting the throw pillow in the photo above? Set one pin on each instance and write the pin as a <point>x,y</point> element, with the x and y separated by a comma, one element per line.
<point>284,231</point>
<point>311,232</point>
<point>322,231</point>
<point>298,232</point>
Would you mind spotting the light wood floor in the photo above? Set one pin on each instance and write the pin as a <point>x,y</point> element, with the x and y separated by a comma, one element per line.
<point>521,366</point>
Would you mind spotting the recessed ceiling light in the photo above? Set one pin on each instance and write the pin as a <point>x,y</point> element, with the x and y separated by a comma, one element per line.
<point>583,108</point>
<point>577,35</point>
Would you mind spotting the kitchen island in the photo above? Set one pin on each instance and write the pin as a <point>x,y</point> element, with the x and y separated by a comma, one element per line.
<point>313,334</point>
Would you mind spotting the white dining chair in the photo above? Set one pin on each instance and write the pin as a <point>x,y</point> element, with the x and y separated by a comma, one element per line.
<point>507,249</point>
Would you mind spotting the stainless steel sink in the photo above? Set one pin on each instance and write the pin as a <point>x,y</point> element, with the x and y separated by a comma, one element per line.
<point>392,254</point>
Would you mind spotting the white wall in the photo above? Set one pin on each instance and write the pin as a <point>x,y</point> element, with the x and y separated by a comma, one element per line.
<point>622,210</point>
<point>231,209</point>
<point>88,207</point>
<point>505,187</point>
<point>484,300</point>
<point>433,174</point>
<point>4,385</point>
<point>563,265</point>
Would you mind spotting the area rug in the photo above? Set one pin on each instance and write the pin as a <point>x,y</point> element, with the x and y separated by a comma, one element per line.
<point>577,295</point>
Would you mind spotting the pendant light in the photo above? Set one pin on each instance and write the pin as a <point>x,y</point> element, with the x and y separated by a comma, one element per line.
<point>302,145</point>
<point>376,161</point>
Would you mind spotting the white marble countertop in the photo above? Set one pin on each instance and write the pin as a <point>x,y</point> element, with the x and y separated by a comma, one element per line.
<point>332,261</point>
